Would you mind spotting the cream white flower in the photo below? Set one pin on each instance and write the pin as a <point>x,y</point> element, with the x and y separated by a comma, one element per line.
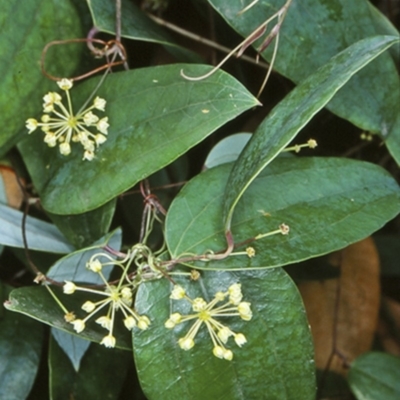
<point>69,287</point>
<point>143,322</point>
<point>108,341</point>
<point>186,343</point>
<point>63,126</point>
<point>245,311</point>
<point>88,306</point>
<point>104,322</point>
<point>177,293</point>
<point>209,315</point>
<point>240,339</point>
<point>94,265</point>
<point>129,322</point>
<point>65,84</point>
<point>79,325</point>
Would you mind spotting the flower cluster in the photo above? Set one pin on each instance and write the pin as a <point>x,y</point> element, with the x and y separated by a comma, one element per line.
<point>115,298</point>
<point>61,125</point>
<point>207,313</point>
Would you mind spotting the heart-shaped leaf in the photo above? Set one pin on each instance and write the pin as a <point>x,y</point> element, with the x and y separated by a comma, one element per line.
<point>275,363</point>
<point>318,198</point>
<point>155,116</point>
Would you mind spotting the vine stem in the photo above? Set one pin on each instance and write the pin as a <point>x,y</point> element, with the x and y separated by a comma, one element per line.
<point>204,40</point>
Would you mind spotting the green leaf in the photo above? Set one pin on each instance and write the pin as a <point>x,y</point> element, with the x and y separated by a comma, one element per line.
<point>375,376</point>
<point>275,363</point>
<point>384,26</point>
<point>73,266</point>
<point>294,112</point>
<point>155,116</point>
<point>20,349</point>
<point>40,235</point>
<point>136,25</point>
<point>23,40</point>
<point>319,198</point>
<point>73,346</point>
<point>100,376</point>
<point>227,150</point>
<point>313,32</point>
<point>83,229</point>
<point>37,303</point>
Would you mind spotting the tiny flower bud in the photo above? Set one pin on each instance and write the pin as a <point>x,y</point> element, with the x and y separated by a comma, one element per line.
<point>65,84</point>
<point>104,321</point>
<point>143,322</point>
<point>94,265</point>
<point>199,304</point>
<point>245,311</point>
<point>126,293</point>
<point>108,341</point>
<point>240,339</point>
<point>129,322</point>
<point>284,229</point>
<point>218,351</point>
<point>99,103</point>
<point>65,148</point>
<point>50,139</point>
<point>312,144</point>
<point>69,316</point>
<point>224,334</point>
<point>178,292</point>
<point>79,325</point>
<point>220,296</point>
<point>88,306</point>
<point>250,252</point>
<point>88,155</point>
<point>69,287</point>
<point>186,343</point>
<point>100,139</point>
<point>89,118</point>
<point>31,124</point>
<point>103,125</point>
<point>173,320</point>
<point>228,355</point>
<point>235,293</point>
<point>194,275</point>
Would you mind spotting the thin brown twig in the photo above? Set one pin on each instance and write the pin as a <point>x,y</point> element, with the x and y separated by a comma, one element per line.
<point>204,40</point>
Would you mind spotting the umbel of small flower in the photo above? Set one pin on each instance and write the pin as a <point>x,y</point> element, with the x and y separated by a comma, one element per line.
<point>208,314</point>
<point>61,125</point>
<point>114,298</point>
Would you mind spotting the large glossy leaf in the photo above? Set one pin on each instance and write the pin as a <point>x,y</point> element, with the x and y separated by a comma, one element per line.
<point>22,42</point>
<point>293,113</point>
<point>275,363</point>
<point>328,204</point>
<point>314,31</point>
<point>136,25</point>
<point>155,116</point>
<point>20,349</point>
<point>40,235</point>
<point>375,376</point>
<point>100,376</point>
